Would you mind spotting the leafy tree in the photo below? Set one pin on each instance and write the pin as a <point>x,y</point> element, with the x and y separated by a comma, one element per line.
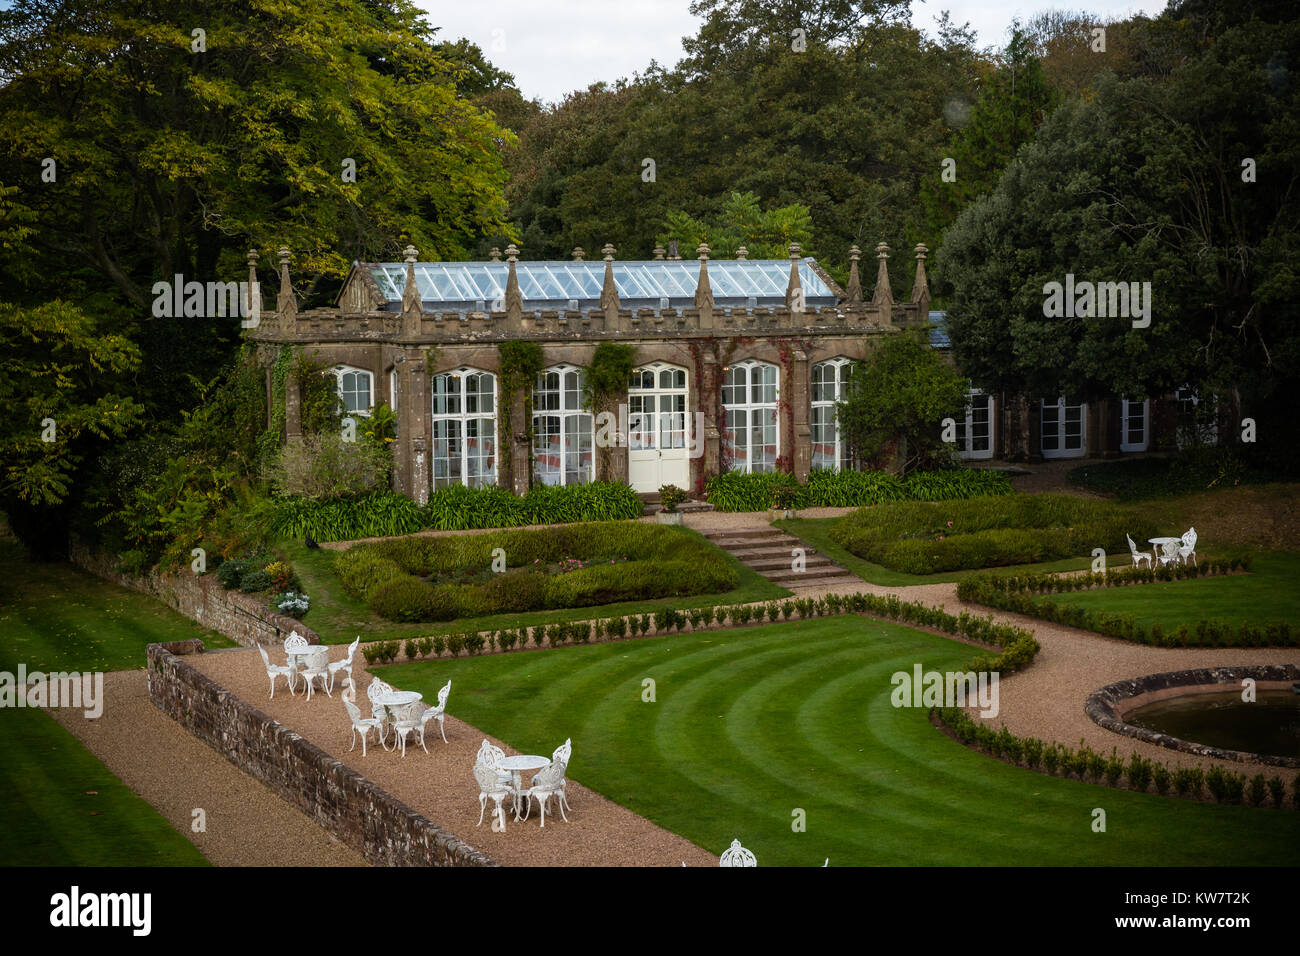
<point>897,399</point>
<point>764,234</point>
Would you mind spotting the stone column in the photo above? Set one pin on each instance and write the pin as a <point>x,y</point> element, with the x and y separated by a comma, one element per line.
<point>801,429</point>
<point>419,429</point>
<point>517,445</point>
<point>706,401</point>
<point>292,408</point>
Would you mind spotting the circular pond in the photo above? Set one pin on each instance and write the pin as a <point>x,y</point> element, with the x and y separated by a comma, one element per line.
<point>1268,725</point>
<point>1202,712</point>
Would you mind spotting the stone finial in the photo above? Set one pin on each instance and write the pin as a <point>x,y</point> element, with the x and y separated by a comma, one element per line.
<point>286,304</point>
<point>495,254</point>
<point>920,287</point>
<point>608,290</point>
<point>412,301</point>
<point>703,288</point>
<point>254,304</point>
<point>883,297</point>
<point>794,250</point>
<point>702,251</point>
<point>672,250</point>
<point>252,258</point>
<point>514,297</point>
<point>742,253</point>
<point>854,290</point>
<point>578,254</point>
<point>794,288</point>
<point>658,251</point>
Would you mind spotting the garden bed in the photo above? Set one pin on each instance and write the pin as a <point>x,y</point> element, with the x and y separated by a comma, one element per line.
<point>733,491</point>
<point>925,538</point>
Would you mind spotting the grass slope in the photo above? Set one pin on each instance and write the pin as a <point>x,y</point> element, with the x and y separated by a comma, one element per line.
<point>750,725</point>
<point>1270,593</point>
<point>65,808</point>
<point>56,617</point>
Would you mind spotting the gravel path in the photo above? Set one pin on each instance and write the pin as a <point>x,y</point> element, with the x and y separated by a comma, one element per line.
<point>247,824</point>
<point>440,784</point>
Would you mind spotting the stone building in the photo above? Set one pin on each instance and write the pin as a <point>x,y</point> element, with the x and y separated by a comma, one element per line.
<point>738,363</point>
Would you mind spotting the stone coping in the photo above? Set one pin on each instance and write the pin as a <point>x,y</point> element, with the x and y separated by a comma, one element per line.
<point>1108,705</point>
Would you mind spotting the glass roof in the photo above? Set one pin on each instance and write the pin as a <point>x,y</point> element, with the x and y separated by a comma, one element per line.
<point>641,284</point>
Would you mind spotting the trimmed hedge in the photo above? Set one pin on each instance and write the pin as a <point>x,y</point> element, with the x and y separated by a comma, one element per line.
<point>1088,766</point>
<point>734,491</point>
<point>457,508</point>
<point>926,538</point>
<point>1016,593</point>
<point>629,561</point>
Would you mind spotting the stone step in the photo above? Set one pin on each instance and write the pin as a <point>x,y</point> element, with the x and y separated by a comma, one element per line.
<point>758,554</point>
<point>776,564</point>
<point>742,544</point>
<point>747,533</point>
<point>809,580</point>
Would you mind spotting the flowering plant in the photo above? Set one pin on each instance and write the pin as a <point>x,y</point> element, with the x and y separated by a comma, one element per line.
<point>293,604</point>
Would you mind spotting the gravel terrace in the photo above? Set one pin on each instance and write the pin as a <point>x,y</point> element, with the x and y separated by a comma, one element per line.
<point>440,784</point>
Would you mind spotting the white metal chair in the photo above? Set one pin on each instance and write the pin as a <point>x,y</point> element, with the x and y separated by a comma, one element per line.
<point>491,786</point>
<point>378,712</point>
<point>359,723</point>
<point>1138,556</point>
<point>294,643</point>
<point>737,855</point>
<point>345,664</point>
<point>406,720</point>
<point>314,667</point>
<point>561,755</point>
<point>1188,547</point>
<point>1168,553</point>
<point>276,670</point>
<point>436,713</point>
<point>548,782</point>
<point>492,755</point>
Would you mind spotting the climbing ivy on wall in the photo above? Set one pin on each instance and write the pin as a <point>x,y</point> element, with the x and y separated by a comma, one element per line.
<point>270,440</point>
<point>320,408</point>
<point>611,366</point>
<point>520,363</point>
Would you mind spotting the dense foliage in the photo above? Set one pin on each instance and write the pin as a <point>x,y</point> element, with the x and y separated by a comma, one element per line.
<point>735,491</point>
<point>1196,469</point>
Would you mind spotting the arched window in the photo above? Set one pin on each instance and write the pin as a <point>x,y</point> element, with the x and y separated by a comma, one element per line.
<point>356,389</point>
<point>464,428</point>
<point>562,429</point>
<point>751,438</point>
<point>830,382</point>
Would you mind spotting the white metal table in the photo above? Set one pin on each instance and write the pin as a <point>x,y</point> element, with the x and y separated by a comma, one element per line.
<point>516,766</point>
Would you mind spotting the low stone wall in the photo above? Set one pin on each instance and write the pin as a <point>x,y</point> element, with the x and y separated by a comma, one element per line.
<point>244,618</point>
<point>1108,705</point>
<point>370,820</point>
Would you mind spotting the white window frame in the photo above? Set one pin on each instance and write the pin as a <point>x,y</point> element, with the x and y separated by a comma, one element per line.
<point>842,374</point>
<point>1061,451</point>
<point>1125,407</point>
<point>966,428</point>
<point>462,418</point>
<point>573,426</point>
<point>659,437</point>
<point>751,410</point>
<point>339,372</point>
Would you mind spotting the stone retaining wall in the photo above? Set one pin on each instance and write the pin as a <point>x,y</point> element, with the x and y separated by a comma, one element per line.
<point>362,815</point>
<point>244,618</point>
<point>1108,705</point>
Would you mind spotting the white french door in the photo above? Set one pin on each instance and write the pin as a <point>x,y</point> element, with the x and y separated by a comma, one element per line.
<point>975,433</point>
<point>1134,431</point>
<point>656,425</point>
<point>1063,429</point>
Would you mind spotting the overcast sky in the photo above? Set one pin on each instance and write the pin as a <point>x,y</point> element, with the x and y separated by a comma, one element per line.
<point>559,46</point>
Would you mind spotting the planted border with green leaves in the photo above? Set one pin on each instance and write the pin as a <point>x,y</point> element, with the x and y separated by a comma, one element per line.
<point>734,491</point>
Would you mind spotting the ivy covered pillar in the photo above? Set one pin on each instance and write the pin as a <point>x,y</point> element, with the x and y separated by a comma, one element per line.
<point>708,458</point>
<point>416,406</point>
<point>519,444</point>
<point>292,406</point>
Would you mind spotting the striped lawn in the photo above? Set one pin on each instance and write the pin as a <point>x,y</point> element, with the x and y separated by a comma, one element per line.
<point>751,724</point>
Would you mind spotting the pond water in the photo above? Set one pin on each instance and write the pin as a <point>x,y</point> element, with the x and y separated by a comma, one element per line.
<point>1269,725</point>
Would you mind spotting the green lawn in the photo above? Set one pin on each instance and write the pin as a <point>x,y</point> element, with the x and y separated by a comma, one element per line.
<point>65,808</point>
<point>1270,593</point>
<point>751,724</point>
<point>54,616</point>
<point>816,533</point>
<point>338,617</point>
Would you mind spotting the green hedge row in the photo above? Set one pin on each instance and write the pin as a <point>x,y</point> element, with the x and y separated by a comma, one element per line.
<point>1017,595</point>
<point>1139,773</point>
<point>387,513</point>
<point>1017,644</point>
<point>581,565</point>
<point>926,538</point>
<point>734,491</point>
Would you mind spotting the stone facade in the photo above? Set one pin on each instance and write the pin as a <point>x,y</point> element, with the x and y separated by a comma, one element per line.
<point>370,820</point>
<point>402,349</point>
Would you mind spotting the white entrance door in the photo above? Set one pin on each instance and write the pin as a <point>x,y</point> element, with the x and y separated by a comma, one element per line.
<point>1133,426</point>
<point>975,434</point>
<point>656,425</point>
<point>1063,429</point>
